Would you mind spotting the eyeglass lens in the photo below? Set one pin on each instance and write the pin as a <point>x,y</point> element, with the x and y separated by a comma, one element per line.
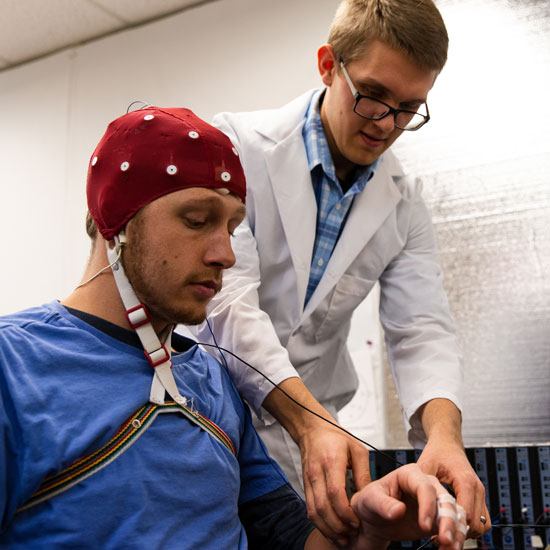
<point>371,108</point>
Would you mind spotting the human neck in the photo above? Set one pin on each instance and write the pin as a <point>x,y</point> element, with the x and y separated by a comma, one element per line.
<point>344,168</point>
<point>98,294</point>
<point>99,297</point>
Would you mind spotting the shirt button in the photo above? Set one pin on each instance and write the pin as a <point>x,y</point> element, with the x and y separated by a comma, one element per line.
<point>338,206</point>
<point>320,262</point>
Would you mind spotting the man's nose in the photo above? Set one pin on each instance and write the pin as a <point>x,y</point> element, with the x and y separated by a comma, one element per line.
<point>386,124</point>
<point>220,251</point>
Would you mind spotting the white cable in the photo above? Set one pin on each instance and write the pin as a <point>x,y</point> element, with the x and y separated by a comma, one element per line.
<point>157,354</point>
<point>119,252</point>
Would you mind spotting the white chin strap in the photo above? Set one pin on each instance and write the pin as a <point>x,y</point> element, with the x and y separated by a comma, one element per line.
<point>157,354</point>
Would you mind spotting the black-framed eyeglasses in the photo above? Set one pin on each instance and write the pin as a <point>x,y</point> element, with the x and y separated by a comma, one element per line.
<point>374,109</point>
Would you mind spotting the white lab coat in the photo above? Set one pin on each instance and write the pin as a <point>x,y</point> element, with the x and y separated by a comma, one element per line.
<point>388,236</point>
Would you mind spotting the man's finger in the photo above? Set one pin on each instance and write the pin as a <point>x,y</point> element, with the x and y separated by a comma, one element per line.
<point>377,502</point>
<point>470,495</point>
<point>321,511</point>
<point>360,466</point>
<point>337,496</point>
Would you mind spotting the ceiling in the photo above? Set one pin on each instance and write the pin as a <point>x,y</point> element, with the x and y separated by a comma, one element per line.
<point>30,29</point>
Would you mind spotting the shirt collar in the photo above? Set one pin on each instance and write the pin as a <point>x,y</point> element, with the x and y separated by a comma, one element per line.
<point>318,152</point>
<point>179,343</point>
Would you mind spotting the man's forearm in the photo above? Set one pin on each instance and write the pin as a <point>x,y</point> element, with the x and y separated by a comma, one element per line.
<point>326,454</point>
<point>441,419</point>
<point>316,541</point>
<point>294,418</point>
<point>445,457</point>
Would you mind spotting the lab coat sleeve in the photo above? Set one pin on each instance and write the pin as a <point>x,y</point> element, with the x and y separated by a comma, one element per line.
<point>238,322</point>
<point>421,343</point>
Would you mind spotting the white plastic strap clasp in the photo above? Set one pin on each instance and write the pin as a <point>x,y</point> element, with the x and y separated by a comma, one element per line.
<point>157,353</point>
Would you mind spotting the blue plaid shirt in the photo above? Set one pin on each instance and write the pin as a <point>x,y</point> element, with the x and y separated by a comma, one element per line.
<point>332,204</point>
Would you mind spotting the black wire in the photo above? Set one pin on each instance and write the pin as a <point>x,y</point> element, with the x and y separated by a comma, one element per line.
<point>399,463</point>
<point>144,105</point>
<point>497,526</point>
<point>221,350</point>
<point>391,458</point>
<point>424,544</point>
<point>517,525</point>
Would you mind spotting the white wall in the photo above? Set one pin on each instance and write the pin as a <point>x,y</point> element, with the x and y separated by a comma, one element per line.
<point>230,55</point>
<point>484,158</point>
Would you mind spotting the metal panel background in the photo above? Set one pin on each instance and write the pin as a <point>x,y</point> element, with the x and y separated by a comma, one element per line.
<point>485,163</point>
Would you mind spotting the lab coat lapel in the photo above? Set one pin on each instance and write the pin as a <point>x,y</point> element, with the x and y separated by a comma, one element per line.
<point>291,181</point>
<point>371,207</point>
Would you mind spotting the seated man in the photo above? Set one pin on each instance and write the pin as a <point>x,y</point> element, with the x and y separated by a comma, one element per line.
<point>116,433</point>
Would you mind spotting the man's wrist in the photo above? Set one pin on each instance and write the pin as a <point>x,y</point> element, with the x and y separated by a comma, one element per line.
<point>293,408</point>
<point>442,421</point>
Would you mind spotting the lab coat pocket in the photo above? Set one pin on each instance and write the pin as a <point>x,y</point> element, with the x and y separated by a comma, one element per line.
<point>346,296</point>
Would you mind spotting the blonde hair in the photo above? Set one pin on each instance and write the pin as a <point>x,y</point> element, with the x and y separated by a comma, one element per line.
<point>91,227</point>
<point>414,27</point>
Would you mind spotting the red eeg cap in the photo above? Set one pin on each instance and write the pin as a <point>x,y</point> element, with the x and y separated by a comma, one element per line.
<point>151,152</point>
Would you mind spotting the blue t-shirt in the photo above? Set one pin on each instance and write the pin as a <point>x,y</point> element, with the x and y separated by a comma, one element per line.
<point>66,388</point>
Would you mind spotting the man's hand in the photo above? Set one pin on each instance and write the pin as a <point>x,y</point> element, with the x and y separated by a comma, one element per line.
<point>407,504</point>
<point>444,457</point>
<point>451,466</point>
<point>327,453</point>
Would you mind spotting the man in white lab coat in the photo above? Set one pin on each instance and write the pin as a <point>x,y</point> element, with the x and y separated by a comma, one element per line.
<point>330,212</point>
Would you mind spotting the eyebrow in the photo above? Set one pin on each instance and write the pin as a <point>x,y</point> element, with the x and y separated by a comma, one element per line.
<point>378,87</point>
<point>212,201</point>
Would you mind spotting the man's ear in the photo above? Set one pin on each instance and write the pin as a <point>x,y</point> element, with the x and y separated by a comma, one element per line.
<point>327,64</point>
